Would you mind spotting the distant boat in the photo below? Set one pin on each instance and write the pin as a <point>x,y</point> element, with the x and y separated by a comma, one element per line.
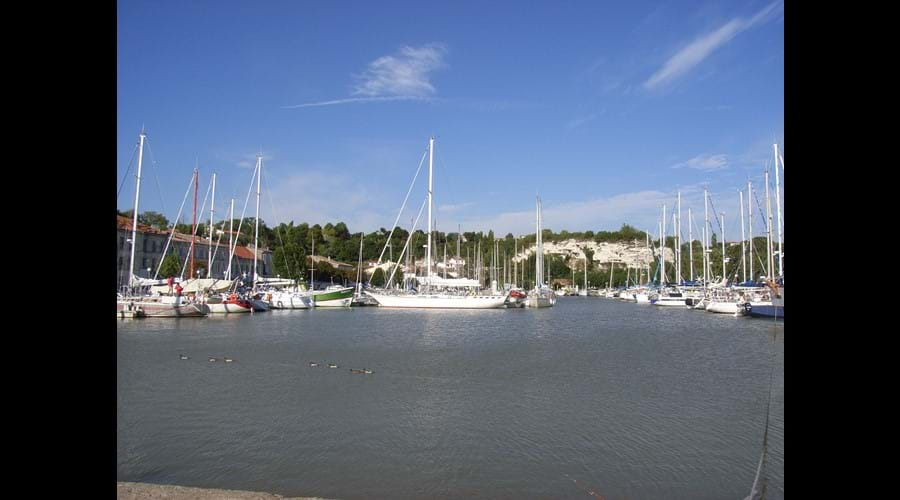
<point>438,293</point>
<point>773,310</point>
<point>516,298</point>
<point>230,304</point>
<point>541,295</point>
<point>333,296</point>
<point>671,299</point>
<point>286,299</point>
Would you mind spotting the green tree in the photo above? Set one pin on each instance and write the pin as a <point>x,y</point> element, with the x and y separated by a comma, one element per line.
<point>152,218</point>
<point>171,266</point>
<point>378,278</point>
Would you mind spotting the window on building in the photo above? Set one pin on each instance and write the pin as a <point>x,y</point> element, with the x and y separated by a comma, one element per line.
<point>121,242</point>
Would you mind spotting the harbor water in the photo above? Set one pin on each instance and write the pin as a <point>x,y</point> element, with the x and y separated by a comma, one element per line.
<point>593,395</point>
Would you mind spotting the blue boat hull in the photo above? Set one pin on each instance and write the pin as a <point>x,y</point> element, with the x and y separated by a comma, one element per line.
<point>766,311</point>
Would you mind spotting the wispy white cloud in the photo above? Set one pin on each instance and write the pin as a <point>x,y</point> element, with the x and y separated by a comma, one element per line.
<point>357,99</point>
<point>699,49</point>
<point>705,162</point>
<point>402,76</point>
<point>406,73</point>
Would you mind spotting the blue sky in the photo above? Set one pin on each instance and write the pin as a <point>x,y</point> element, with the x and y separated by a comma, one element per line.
<point>606,109</point>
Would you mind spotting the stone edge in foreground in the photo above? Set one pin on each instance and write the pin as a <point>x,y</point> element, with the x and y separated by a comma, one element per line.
<point>146,491</point>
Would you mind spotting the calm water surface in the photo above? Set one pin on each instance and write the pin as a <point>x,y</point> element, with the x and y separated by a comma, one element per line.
<point>626,400</point>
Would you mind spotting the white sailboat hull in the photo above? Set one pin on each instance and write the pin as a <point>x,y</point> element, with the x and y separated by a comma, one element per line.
<point>440,301</point>
<point>670,302</point>
<point>539,302</point>
<point>226,308</point>
<point>287,300</point>
<point>722,307</point>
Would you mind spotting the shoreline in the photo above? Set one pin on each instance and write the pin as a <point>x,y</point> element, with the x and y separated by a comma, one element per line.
<point>148,491</point>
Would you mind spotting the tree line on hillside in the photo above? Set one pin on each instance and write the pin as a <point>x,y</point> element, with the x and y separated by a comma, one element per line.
<point>291,243</point>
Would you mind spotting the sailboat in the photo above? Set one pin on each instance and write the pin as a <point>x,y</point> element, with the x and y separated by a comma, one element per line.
<point>438,293</point>
<point>542,295</point>
<point>143,306</point>
<point>333,296</point>
<point>669,295</point>
<point>775,281</point>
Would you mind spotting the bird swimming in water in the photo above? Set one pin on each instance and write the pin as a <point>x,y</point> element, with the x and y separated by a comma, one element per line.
<point>184,357</point>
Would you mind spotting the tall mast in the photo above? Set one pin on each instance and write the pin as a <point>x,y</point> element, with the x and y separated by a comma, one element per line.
<point>409,257</point>
<point>647,237</point>
<point>134,223</point>
<point>430,186</point>
<point>256,230</point>
<point>778,204</point>
<point>458,237</point>
<point>505,269</point>
<point>230,236</point>
<point>705,255</point>
<point>723,247</point>
<point>705,238</point>
<point>194,231</point>
<point>211,212</point>
<point>359,266</point>
<point>541,249</point>
<point>537,240</point>
<point>750,222</point>
<point>659,232</point>
<point>663,246</point>
<point>468,262</point>
<point>691,241</point>
<point>678,240</point>
<point>770,273</point>
<point>478,261</point>
<point>743,251</point>
<point>675,246</point>
<point>515,262</point>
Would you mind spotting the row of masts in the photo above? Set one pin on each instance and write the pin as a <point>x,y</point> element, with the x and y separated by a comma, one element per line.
<point>747,260</point>
<point>232,243</point>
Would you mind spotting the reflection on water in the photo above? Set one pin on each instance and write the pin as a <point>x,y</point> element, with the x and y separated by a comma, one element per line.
<point>627,400</point>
